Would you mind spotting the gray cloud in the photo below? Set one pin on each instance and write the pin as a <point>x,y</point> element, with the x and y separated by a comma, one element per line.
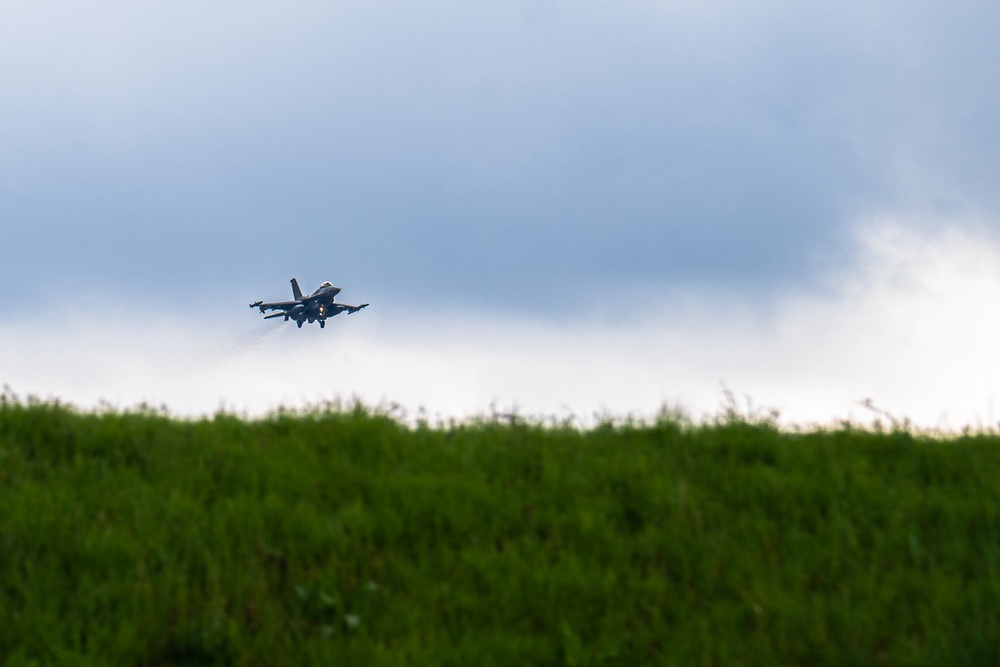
<point>474,152</point>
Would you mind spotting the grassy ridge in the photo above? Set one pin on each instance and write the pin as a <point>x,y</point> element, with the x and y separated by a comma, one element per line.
<point>344,537</point>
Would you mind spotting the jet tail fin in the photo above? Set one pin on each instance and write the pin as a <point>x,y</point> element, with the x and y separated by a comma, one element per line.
<point>296,292</point>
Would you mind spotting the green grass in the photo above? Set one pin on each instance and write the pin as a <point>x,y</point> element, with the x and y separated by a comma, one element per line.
<point>343,537</point>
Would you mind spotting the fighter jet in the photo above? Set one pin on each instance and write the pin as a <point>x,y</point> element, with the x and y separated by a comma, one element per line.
<point>316,307</point>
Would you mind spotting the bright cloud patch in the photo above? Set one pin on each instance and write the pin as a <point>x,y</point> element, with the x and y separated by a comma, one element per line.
<point>912,325</point>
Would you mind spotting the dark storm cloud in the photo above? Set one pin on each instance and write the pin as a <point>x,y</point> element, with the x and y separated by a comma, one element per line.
<point>479,152</point>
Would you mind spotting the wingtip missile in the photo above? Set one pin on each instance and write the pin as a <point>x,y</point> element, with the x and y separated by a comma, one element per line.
<point>256,304</point>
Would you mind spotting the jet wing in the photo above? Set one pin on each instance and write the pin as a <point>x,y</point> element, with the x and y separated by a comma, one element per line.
<point>276,305</point>
<point>350,309</point>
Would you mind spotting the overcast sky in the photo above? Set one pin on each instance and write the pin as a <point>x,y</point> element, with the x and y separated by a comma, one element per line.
<point>563,206</point>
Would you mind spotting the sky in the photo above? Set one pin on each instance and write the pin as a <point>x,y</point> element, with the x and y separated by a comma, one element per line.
<point>568,209</point>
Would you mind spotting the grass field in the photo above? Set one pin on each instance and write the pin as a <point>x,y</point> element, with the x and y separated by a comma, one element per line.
<point>344,537</point>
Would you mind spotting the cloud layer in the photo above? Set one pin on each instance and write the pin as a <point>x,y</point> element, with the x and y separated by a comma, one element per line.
<point>910,323</point>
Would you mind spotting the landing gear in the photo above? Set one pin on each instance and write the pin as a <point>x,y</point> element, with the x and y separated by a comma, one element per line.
<point>322,324</point>
<point>299,323</point>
